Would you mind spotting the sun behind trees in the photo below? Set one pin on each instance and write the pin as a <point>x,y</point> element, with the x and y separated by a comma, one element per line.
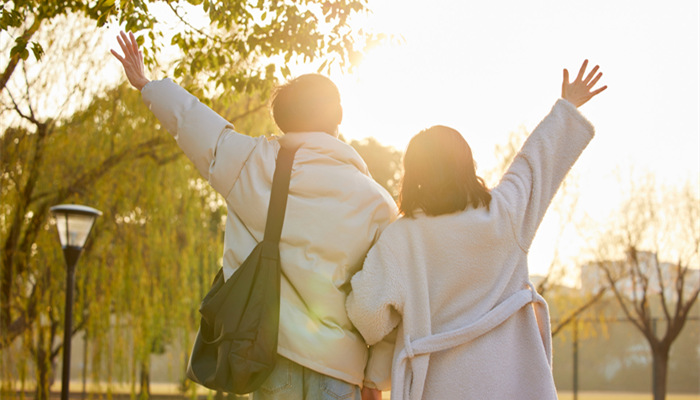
<point>98,153</point>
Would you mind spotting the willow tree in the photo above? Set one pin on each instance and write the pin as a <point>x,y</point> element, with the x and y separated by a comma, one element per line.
<point>154,251</point>
<point>110,154</point>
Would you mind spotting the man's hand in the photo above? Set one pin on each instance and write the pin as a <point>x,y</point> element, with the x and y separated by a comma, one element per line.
<point>132,61</point>
<point>371,394</point>
<point>579,91</point>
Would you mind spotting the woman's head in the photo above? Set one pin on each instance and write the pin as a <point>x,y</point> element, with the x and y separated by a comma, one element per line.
<point>440,174</point>
<point>309,103</point>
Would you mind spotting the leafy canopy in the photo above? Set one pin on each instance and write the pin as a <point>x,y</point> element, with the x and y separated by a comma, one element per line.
<point>233,47</point>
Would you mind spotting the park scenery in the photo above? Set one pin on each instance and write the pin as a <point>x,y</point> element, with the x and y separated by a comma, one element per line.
<point>111,311</point>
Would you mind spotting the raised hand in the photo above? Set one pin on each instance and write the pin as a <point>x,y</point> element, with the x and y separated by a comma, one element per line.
<point>132,61</point>
<point>580,91</point>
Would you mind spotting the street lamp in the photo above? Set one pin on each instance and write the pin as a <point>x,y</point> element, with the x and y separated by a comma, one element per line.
<point>74,224</point>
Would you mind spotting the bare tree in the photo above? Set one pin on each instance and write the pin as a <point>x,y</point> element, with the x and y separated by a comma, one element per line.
<point>654,224</point>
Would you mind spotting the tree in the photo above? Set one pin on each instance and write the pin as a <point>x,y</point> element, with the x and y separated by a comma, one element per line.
<point>235,47</point>
<point>654,224</point>
<point>233,44</point>
<point>383,162</point>
<point>160,232</point>
<point>155,248</point>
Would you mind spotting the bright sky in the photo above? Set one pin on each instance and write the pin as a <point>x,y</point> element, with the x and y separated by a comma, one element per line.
<point>488,68</point>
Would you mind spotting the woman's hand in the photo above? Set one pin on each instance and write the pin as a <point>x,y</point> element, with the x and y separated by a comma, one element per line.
<point>132,60</point>
<point>579,91</point>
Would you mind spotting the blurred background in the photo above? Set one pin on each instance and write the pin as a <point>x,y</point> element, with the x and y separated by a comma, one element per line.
<point>617,256</point>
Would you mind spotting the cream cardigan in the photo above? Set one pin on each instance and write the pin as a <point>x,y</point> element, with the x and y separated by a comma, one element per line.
<point>456,289</point>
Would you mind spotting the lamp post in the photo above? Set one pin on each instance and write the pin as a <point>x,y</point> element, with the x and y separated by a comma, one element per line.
<point>74,224</point>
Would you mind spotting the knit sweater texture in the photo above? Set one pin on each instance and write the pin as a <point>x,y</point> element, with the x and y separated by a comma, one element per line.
<point>453,292</point>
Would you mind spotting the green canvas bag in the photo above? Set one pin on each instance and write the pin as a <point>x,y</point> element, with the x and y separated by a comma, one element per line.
<point>236,346</point>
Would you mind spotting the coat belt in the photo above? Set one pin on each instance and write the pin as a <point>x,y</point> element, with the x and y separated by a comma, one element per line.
<point>412,362</point>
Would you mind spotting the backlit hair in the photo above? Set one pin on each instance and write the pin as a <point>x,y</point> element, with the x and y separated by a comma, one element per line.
<point>440,174</point>
<point>308,103</point>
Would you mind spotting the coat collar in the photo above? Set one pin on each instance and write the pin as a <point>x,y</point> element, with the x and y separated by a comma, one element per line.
<point>327,145</point>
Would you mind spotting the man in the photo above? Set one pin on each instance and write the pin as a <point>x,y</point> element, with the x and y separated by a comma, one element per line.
<point>335,211</point>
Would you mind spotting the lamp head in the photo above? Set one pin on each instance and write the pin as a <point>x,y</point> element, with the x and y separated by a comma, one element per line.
<point>74,223</point>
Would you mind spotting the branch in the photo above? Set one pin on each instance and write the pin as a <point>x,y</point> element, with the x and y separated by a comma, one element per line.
<point>640,305</point>
<point>25,319</point>
<point>30,233</point>
<point>15,230</point>
<point>573,315</point>
<point>662,286</point>
<point>14,60</point>
<point>682,310</point>
<point>685,308</point>
<point>177,14</point>
<point>75,330</point>
<point>30,117</point>
<point>143,149</point>
<point>248,112</point>
<point>621,301</point>
<point>26,91</point>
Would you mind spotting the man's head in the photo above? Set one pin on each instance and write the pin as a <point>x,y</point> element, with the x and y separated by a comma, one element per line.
<point>309,103</point>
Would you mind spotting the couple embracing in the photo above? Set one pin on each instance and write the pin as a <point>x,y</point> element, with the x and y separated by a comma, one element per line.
<point>430,299</point>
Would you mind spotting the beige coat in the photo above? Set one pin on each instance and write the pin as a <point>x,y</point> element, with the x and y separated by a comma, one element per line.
<point>335,212</point>
<point>470,326</point>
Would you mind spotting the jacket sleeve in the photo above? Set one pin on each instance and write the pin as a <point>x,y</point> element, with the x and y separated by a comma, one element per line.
<point>202,134</point>
<point>374,306</point>
<point>532,180</point>
<point>381,357</point>
<point>375,303</point>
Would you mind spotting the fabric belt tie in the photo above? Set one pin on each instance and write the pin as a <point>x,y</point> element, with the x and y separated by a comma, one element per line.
<point>413,358</point>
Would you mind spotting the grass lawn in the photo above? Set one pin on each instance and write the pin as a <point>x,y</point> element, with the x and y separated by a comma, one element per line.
<point>608,396</point>
<point>623,396</point>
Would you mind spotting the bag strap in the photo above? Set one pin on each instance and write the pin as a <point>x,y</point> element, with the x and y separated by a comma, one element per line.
<point>278,205</point>
<point>278,195</point>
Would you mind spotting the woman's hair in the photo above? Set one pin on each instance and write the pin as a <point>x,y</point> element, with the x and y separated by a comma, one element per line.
<point>308,103</point>
<point>440,174</point>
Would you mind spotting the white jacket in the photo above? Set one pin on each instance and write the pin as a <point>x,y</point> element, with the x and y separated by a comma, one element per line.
<point>335,212</point>
<point>470,325</point>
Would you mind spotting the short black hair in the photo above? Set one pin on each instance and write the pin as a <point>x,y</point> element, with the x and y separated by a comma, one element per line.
<point>308,103</point>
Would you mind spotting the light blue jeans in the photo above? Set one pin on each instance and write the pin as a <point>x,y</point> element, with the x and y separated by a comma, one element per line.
<point>291,381</point>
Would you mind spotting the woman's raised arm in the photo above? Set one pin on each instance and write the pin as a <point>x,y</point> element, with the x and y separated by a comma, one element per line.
<point>132,61</point>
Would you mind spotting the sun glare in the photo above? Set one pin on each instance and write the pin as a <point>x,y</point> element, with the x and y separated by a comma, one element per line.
<point>374,101</point>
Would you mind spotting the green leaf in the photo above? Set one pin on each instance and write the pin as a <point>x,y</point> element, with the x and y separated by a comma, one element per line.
<point>37,50</point>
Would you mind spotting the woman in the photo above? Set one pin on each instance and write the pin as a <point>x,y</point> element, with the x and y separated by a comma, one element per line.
<point>451,275</point>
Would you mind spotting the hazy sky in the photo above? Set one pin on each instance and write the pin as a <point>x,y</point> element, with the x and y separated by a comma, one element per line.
<point>489,68</point>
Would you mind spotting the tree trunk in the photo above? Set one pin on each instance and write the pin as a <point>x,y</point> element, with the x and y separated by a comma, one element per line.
<point>145,381</point>
<point>43,374</point>
<point>659,372</point>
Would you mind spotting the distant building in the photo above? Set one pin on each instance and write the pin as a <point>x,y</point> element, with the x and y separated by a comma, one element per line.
<point>659,275</point>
